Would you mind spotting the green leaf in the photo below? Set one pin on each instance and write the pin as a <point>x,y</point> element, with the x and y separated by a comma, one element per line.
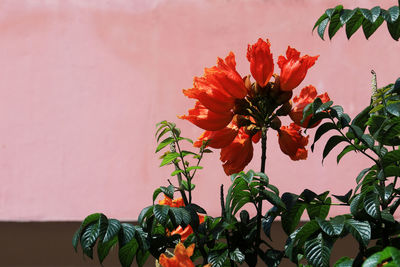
<point>334,25</point>
<point>354,23</point>
<point>237,256</point>
<point>334,227</point>
<point>217,259</point>
<point>186,186</point>
<point>345,150</point>
<point>369,28</point>
<point>126,233</point>
<point>165,143</point>
<point>89,238</point>
<point>103,248</point>
<point>274,199</point>
<point>322,27</point>
<point>391,15</point>
<point>390,254</point>
<point>394,108</point>
<point>361,174</point>
<point>391,157</point>
<point>318,251</point>
<point>194,168</point>
<point>141,257</point>
<point>319,210</point>
<point>323,17</point>
<point>161,213</point>
<point>168,191</point>
<point>267,221</point>
<point>345,198</point>
<point>162,133</point>
<point>145,213</point>
<point>332,142</point>
<point>375,12</point>
<point>392,170</point>
<point>127,253</point>
<point>394,29</point>
<point>305,232</point>
<point>112,230</point>
<point>360,230</point>
<point>291,217</point>
<point>371,203</point>
<point>344,262</point>
<point>321,131</point>
<point>366,13</point>
<point>346,14</point>
<point>75,239</point>
<point>387,216</point>
<point>168,158</point>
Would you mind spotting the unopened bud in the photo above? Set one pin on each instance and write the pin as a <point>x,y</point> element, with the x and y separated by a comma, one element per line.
<point>247,82</point>
<point>241,106</point>
<point>242,121</point>
<point>284,109</point>
<point>283,97</point>
<point>276,123</point>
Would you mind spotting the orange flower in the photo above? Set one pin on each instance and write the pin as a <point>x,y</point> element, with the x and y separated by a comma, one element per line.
<point>220,138</point>
<point>261,63</point>
<point>294,68</point>
<point>184,233</point>
<point>238,154</point>
<point>292,143</point>
<point>307,96</point>
<point>181,257</point>
<point>176,203</point>
<point>206,119</point>
<point>216,92</point>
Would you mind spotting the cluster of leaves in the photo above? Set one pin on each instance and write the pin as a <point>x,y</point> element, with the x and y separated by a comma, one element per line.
<point>150,236</point>
<point>375,133</point>
<point>369,19</point>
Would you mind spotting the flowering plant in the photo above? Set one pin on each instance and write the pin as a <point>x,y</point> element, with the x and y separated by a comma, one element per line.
<point>235,112</point>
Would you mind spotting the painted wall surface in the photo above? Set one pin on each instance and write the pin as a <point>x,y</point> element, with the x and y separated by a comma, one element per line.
<point>83,83</point>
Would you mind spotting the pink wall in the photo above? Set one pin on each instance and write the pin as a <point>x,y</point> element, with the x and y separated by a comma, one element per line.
<point>82,84</point>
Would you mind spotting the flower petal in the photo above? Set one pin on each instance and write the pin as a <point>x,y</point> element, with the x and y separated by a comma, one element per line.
<point>220,138</point>
<point>292,143</point>
<point>206,119</point>
<point>261,62</point>
<point>293,68</point>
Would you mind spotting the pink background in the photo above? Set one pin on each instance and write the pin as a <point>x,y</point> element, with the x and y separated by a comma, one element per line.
<point>83,83</point>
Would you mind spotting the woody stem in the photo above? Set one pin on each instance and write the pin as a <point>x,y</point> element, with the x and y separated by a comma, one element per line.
<point>259,206</point>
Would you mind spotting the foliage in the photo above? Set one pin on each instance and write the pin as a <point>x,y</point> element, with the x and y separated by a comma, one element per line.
<point>235,237</point>
<point>368,19</point>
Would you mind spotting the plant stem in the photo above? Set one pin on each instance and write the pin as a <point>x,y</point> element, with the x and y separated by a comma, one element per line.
<point>259,207</point>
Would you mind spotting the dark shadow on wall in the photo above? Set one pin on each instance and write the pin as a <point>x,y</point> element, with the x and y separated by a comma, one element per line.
<point>49,244</point>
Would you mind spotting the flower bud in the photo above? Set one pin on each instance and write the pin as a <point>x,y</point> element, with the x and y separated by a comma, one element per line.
<point>241,106</point>
<point>284,109</point>
<point>283,97</point>
<point>276,123</point>
<point>242,121</point>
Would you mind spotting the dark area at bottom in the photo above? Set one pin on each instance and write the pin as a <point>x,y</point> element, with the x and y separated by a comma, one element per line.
<point>49,244</point>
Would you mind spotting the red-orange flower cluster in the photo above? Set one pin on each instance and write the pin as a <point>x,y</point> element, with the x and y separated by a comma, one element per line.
<point>227,105</point>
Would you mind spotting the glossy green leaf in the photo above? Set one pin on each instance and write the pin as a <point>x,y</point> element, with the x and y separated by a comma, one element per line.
<point>346,15</point>
<point>161,213</point>
<point>318,251</point>
<point>165,143</point>
<point>323,17</point>
<point>333,227</point>
<point>305,232</point>
<point>360,230</point>
<point>371,203</point>
<point>334,25</point>
<point>321,131</point>
<point>344,262</point>
<point>345,198</point>
<point>217,258</point>
<point>332,142</point>
<point>369,28</point>
<point>391,157</point>
<point>141,257</point>
<point>354,23</point>
<point>319,210</point>
<point>89,238</point>
<point>322,27</point>
<point>145,213</point>
<point>291,217</point>
<point>126,233</point>
<point>237,256</point>
<point>168,158</point>
<point>362,174</point>
<point>274,199</point>
<point>103,248</point>
<point>127,253</point>
<point>345,150</point>
<point>112,230</point>
<point>168,191</point>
